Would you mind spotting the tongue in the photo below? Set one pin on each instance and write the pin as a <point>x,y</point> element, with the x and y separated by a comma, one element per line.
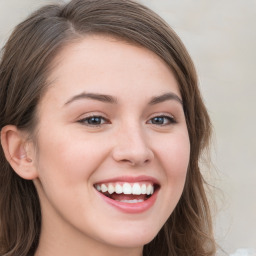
<point>120,197</point>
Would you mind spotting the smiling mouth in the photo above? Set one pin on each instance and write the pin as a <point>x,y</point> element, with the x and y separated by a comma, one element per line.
<point>125,192</point>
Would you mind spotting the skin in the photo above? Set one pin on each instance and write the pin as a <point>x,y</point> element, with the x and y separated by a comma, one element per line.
<point>72,155</point>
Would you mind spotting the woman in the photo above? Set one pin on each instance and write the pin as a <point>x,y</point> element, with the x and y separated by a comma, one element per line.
<point>102,127</point>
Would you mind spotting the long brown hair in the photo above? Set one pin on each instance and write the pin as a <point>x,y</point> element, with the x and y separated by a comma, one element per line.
<point>24,68</point>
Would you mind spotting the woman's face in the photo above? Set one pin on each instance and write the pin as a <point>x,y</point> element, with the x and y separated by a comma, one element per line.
<point>112,119</point>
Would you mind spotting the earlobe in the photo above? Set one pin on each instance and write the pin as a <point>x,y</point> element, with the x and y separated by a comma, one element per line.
<point>18,152</point>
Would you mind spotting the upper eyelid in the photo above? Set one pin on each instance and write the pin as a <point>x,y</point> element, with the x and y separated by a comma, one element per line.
<point>106,117</point>
<point>165,116</point>
<point>92,114</point>
<point>162,114</point>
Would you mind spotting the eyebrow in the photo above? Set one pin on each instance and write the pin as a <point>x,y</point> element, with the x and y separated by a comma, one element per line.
<point>93,96</point>
<point>110,99</point>
<point>165,97</point>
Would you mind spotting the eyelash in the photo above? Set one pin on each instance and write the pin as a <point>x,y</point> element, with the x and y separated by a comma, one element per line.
<point>166,120</point>
<point>87,119</point>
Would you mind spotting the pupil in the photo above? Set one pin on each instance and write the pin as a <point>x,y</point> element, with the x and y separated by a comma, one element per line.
<point>94,120</point>
<point>158,120</point>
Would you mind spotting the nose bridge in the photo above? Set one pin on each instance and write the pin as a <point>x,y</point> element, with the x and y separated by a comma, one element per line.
<point>132,145</point>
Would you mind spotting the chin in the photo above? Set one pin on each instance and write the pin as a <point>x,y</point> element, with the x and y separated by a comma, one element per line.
<point>132,239</point>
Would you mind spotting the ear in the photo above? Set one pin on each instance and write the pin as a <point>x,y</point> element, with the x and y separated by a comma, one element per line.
<point>19,152</point>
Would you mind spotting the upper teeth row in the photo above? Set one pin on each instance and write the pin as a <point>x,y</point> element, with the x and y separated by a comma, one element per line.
<point>126,188</point>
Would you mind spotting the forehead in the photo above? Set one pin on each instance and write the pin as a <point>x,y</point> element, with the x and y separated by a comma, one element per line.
<point>104,63</point>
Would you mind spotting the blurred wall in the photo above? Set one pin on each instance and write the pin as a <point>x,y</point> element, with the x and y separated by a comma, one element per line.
<point>221,38</point>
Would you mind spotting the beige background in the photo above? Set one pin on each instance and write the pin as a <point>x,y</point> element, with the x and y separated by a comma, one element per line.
<point>221,37</point>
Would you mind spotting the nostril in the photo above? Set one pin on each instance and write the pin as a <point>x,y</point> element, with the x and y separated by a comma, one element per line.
<point>135,162</point>
<point>128,161</point>
<point>132,153</point>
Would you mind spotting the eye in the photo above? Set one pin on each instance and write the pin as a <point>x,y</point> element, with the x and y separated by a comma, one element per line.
<point>94,121</point>
<point>162,120</point>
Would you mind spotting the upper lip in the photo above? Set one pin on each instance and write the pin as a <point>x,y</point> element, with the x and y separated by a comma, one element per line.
<point>131,179</point>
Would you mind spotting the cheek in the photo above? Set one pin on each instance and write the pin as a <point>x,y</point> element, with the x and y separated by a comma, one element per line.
<point>65,168</point>
<point>174,155</point>
<point>66,160</point>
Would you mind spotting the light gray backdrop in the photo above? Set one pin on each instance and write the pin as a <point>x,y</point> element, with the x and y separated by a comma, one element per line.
<point>221,38</point>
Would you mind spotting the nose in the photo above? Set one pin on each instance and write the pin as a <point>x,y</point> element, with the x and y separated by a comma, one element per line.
<point>132,147</point>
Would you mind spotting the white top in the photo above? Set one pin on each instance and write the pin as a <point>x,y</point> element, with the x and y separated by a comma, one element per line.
<point>244,252</point>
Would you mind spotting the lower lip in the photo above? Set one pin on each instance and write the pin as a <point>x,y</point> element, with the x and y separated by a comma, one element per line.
<point>131,207</point>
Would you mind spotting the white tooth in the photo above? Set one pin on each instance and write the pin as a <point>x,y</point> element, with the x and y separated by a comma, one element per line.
<point>111,189</point>
<point>104,188</point>
<point>119,189</point>
<point>149,188</point>
<point>132,201</point>
<point>125,201</point>
<point>98,187</point>
<point>139,200</point>
<point>152,190</point>
<point>144,189</point>
<point>136,190</point>
<point>127,188</point>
